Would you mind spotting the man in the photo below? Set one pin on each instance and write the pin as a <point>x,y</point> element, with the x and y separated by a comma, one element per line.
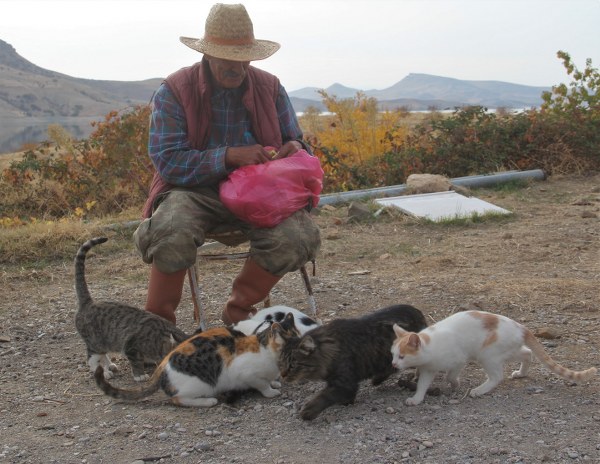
<point>208,120</point>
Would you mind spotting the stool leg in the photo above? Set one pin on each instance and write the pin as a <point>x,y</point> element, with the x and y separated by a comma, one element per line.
<point>311,298</point>
<point>194,281</point>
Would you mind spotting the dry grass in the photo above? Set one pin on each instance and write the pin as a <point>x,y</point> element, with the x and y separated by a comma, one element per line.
<point>34,245</point>
<point>7,158</point>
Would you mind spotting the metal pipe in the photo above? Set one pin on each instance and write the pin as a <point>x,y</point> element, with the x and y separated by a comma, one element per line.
<point>487,180</point>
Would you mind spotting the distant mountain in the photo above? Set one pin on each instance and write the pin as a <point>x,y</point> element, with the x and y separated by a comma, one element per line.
<point>423,91</point>
<point>32,97</point>
<point>26,90</point>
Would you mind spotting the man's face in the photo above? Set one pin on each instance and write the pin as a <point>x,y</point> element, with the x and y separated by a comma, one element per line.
<point>228,74</point>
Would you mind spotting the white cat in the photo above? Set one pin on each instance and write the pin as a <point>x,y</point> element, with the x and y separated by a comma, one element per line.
<point>486,338</point>
<point>265,317</point>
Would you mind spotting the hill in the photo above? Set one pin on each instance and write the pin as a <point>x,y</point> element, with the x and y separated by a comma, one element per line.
<point>32,97</point>
<point>423,91</point>
<point>26,90</point>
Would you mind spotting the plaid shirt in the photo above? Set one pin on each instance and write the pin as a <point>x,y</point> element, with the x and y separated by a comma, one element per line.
<point>169,148</point>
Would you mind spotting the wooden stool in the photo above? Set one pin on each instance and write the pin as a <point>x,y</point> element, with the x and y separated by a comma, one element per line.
<point>232,239</point>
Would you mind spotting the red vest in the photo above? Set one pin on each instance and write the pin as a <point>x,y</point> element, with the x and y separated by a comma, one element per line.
<point>192,89</point>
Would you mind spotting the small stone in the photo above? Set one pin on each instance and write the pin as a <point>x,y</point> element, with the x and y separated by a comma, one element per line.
<point>428,444</point>
<point>390,410</point>
<point>123,430</point>
<point>547,333</point>
<point>359,212</point>
<point>163,435</point>
<point>202,446</point>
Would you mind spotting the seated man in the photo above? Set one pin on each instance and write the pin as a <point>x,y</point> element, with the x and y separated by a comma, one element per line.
<point>208,120</point>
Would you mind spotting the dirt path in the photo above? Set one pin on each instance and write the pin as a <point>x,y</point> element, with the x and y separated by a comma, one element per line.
<point>542,267</point>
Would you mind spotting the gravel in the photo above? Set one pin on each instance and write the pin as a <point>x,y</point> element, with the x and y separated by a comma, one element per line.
<point>541,267</point>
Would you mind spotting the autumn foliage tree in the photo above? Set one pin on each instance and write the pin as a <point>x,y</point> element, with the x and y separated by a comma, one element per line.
<point>105,174</point>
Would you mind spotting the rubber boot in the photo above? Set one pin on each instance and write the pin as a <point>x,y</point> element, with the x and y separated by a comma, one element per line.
<point>164,293</point>
<point>251,286</point>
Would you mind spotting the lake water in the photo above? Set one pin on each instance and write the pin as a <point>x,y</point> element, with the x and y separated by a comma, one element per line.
<point>15,132</point>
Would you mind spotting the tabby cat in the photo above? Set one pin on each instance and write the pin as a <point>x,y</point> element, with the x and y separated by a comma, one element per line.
<point>213,362</point>
<point>489,339</point>
<point>345,351</point>
<point>110,327</point>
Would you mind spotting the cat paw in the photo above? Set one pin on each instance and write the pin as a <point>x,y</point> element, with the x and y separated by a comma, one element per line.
<point>309,413</point>
<point>275,384</point>
<point>475,393</point>
<point>108,374</point>
<point>517,375</point>
<point>412,401</point>
<point>270,392</point>
<point>141,378</point>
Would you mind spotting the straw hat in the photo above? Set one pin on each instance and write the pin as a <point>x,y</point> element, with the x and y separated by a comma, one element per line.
<point>229,35</point>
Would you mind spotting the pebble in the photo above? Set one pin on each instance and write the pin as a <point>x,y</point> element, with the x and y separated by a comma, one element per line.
<point>202,446</point>
<point>163,435</point>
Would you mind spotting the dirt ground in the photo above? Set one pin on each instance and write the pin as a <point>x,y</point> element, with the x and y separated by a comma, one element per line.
<point>540,267</point>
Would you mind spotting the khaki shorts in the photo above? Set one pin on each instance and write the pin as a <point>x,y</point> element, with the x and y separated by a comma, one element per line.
<point>183,217</point>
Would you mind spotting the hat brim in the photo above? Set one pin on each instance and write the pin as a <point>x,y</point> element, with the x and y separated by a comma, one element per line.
<point>258,50</point>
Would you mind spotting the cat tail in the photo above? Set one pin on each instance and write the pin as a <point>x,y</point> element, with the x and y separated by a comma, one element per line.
<point>126,394</point>
<point>81,288</point>
<point>179,335</point>
<point>538,350</point>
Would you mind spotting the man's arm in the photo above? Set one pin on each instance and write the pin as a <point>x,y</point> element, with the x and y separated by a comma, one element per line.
<point>291,133</point>
<point>170,151</point>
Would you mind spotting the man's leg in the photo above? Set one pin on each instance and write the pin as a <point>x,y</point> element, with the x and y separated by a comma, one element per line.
<point>164,292</point>
<point>274,252</point>
<point>251,286</point>
<point>169,241</point>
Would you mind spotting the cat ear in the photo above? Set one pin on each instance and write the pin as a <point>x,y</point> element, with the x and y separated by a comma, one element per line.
<point>307,345</point>
<point>399,331</point>
<point>414,340</point>
<point>278,333</point>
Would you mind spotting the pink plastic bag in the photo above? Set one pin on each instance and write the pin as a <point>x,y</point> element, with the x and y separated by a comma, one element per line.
<point>266,194</point>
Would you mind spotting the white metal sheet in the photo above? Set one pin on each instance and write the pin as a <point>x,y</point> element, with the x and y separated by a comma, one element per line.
<point>441,205</point>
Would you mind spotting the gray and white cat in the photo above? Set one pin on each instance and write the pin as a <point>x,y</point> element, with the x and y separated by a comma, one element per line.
<point>344,352</point>
<point>111,327</point>
<point>214,362</point>
<point>265,317</point>
<point>489,339</point>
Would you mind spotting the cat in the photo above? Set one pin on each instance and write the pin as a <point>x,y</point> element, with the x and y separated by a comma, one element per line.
<point>345,351</point>
<point>265,317</point>
<point>213,362</point>
<point>487,338</point>
<point>110,327</point>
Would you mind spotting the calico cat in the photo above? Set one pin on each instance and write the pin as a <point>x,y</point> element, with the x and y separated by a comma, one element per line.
<point>110,327</point>
<point>265,317</point>
<point>344,352</point>
<point>212,362</point>
<point>487,338</point>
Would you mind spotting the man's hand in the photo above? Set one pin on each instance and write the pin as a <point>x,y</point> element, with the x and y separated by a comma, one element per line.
<point>288,149</point>
<point>236,157</point>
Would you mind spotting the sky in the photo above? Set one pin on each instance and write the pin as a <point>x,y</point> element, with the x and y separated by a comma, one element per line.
<point>365,45</point>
